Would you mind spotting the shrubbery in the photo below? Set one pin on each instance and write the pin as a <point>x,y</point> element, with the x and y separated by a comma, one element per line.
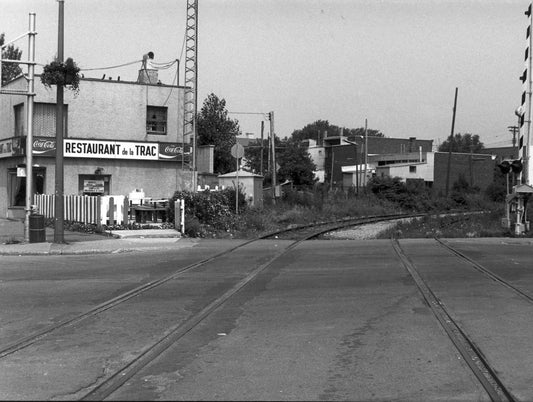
<point>410,196</point>
<point>206,210</point>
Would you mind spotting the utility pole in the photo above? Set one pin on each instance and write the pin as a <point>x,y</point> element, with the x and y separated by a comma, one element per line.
<point>59,187</point>
<point>262,136</point>
<point>451,142</point>
<point>366,152</point>
<point>514,130</point>
<point>273,164</point>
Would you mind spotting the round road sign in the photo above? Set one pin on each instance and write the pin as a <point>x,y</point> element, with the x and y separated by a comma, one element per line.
<point>237,151</point>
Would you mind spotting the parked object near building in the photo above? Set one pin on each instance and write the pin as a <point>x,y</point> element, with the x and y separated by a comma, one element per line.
<point>119,135</point>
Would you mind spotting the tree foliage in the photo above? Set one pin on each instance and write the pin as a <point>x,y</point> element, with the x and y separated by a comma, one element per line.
<point>295,163</point>
<point>10,70</point>
<point>214,127</point>
<point>321,129</point>
<point>462,143</point>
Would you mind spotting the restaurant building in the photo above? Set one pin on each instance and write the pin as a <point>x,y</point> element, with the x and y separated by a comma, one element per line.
<point>119,137</point>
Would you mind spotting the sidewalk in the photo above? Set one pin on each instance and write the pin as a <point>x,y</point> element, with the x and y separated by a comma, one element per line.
<point>12,241</point>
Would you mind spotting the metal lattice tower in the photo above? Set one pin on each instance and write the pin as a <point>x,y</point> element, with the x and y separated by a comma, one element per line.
<point>191,78</point>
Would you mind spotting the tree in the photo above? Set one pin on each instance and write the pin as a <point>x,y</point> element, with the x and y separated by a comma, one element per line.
<point>321,128</point>
<point>295,164</point>
<point>10,70</point>
<point>466,143</point>
<point>215,128</point>
<point>294,161</point>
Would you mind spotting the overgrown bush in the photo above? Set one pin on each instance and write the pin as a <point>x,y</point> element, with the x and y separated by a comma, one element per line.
<point>410,196</point>
<point>211,208</point>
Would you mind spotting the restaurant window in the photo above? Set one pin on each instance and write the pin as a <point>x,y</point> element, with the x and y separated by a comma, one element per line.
<point>17,186</point>
<point>412,169</point>
<point>156,120</point>
<point>44,119</point>
<point>20,120</point>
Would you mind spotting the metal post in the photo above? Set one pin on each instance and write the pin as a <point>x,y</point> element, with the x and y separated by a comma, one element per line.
<point>29,120</point>
<point>237,187</point>
<point>59,188</point>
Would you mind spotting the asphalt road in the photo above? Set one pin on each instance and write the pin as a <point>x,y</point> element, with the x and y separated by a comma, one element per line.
<point>331,320</point>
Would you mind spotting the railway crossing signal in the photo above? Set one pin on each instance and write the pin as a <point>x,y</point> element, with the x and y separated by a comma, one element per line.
<point>515,166</point>
<point>516,202</point>
<point>524,110</point>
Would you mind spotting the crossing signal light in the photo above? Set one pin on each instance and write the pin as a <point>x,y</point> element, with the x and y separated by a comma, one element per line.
<point>516,166</point>
<point>505,167</point>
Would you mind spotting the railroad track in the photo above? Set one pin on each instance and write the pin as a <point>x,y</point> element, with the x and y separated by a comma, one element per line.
<point>471,354</point>
<point>297,234</point>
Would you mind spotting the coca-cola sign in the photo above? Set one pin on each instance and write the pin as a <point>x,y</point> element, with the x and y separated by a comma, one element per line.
<point>44,147</point>
<point>174,152</point>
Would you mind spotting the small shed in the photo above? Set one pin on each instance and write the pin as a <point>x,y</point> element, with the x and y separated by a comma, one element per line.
<point>251,184</point>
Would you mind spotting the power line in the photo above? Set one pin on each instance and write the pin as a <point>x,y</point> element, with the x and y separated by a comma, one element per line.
<point>264,114</point>
<point>111,67</point>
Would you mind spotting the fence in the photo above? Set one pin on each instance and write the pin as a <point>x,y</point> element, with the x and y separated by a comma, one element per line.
<point>86,209</point>
<point>98,210</point>
<point>208,187</point>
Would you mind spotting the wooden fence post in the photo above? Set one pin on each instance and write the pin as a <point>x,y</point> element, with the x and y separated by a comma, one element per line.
<point>99,213</point>
<point>177,214</point>
<point>111,211</point>
<point>125,211</point>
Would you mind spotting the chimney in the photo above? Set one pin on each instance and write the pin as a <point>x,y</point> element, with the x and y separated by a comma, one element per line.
<point>148,74</point>
<point>412,144</point>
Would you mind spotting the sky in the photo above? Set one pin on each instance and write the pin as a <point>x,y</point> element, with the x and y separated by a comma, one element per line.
<point>395,63</point>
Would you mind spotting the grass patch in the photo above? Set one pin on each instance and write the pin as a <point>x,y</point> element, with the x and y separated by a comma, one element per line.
<point>458,226</point>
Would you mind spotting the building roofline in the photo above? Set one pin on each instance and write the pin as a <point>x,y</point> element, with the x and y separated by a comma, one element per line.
<point>23,76</point>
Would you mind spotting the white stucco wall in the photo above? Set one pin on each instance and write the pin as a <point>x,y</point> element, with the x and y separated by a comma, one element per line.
<point>105,109</point>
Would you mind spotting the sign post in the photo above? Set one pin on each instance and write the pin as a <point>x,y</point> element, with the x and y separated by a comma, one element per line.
<point>237,151</point>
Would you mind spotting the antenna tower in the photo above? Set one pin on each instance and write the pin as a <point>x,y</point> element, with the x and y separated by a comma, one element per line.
<point>191,79</point>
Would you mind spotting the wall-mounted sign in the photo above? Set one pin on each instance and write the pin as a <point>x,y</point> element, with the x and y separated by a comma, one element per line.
<point>6,148</point>
<point>96,149</point>
<point>93,186</point>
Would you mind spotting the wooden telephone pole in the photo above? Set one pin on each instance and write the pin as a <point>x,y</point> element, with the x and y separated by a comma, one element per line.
<point>451,142</point>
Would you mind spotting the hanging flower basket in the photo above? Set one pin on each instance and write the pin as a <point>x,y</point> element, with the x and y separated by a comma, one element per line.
<point>65,74</point>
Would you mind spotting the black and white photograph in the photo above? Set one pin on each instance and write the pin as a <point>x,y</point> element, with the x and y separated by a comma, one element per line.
<point>266,200</point>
